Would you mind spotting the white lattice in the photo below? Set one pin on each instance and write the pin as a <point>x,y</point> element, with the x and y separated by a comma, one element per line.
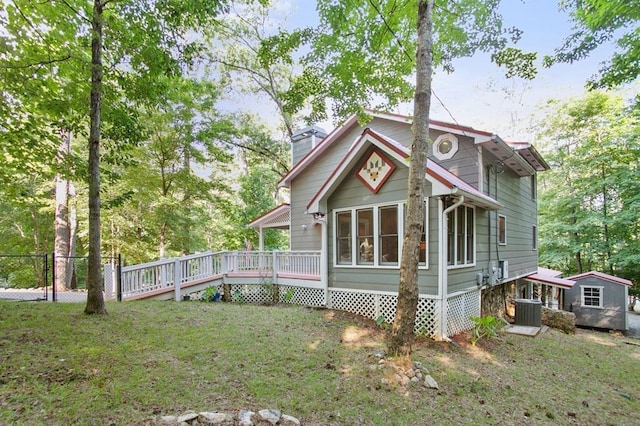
<point>459,311</point>
<point>357,303</point>
<point>376,305</point>
<point>301,296</point>
<point>426,318</point>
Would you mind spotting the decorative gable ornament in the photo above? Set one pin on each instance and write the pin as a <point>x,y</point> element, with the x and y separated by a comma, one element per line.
<point>375,170</point>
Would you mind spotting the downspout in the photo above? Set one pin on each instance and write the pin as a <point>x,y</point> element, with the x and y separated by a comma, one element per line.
<point>443,278</point>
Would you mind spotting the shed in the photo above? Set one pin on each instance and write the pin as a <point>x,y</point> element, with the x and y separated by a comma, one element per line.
<point>598,300</point>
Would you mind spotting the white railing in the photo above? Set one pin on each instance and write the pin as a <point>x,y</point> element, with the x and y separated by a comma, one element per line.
<point>173,274</point>
<point>294,263</point>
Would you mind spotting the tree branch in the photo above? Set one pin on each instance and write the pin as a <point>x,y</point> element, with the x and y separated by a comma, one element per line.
<point>38,64</point>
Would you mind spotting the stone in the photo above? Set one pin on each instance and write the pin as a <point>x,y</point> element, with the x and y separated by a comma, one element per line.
<point>430,382</point>
<point>562,320</point>
<point>207,418</point>
<point>411,373</point>
<point>404,380</point>
<point>419,374</point>
<point>168,420</point>
<point>287,420</point>
<point>245,418</point>
<point>187,417</point>
<point>415,379</point>
<point>271,416</point>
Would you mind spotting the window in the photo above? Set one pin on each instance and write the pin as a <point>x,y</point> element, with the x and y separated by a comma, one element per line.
<point>388,235</point>
<point>445,146</point>
<point>502,230</point>
<point>592,296</point>
<point>365,236</point>
<point>534,187</point>
<point>461,236</point>
<point>372,236</point>
<point>534,235</point>
<point>343,237</point>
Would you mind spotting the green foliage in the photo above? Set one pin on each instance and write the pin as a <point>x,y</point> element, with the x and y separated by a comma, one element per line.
<point>288,295</point>
<point>382,322</point>
<point>355,63</point>
<point>486,327</point>
<point>588,201</point>
<point>209,294</point>
<point>598,22</point>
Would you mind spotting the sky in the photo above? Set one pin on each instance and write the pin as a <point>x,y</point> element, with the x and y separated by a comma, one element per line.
<point>477,94</point>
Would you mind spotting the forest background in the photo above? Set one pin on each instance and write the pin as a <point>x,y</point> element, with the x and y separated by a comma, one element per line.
<point>189,156</point>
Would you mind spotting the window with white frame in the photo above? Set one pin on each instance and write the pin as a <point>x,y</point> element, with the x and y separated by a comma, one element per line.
<point>534,187</point>
<point>461,236</point>
<point>371,236</point>
<point>445,146</point>
<point>502,230</point>
<point>592,296</point>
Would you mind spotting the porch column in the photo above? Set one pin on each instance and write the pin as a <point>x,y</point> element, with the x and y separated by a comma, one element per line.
<point>261,239</point>
<point>324,262</point>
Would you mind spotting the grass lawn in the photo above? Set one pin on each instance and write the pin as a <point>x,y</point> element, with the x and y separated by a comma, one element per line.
<point>61,367</point>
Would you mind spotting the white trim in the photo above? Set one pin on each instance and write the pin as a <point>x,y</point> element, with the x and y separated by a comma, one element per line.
<point>456,265</point>
<point>502,243</point>
<point>400,210</point>
<point>600,297</point>
<point>441,139</point>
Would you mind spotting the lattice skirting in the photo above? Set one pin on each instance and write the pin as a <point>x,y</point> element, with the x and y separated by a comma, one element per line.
<point>261,294</point>
<point>371,305</point>
<point>374,306</point>
<point>460,309</point>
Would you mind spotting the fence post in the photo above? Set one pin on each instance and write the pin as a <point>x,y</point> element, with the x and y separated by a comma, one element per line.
<point>53,277</point>
<point>177,277</point>
<point>46,276</point>
<point>119,278</point>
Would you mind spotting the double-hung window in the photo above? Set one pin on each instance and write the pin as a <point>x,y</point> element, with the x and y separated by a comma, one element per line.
<point>591,297</point>
<point>461,236</point>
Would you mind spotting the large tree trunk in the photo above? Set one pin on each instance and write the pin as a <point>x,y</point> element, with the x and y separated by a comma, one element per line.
<point>95,299</point>
<point>401,335</point>
<point>62,224</point>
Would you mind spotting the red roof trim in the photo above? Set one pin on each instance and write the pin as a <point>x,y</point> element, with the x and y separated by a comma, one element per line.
<point>603,276</point>
<point>550,280</point>
<point>282,206</point>
<point>339,131</point>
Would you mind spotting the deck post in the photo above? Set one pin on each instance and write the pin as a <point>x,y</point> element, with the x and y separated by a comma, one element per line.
<point>177,277</point>
<point>276,267</point>
<point>324,263</point>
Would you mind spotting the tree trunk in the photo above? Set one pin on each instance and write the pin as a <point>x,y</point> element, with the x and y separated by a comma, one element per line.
<point>401,335</point>
<point>62,224</point>
<point>95,299</point>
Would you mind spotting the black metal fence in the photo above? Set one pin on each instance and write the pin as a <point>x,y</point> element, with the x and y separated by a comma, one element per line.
<point>32,277</point>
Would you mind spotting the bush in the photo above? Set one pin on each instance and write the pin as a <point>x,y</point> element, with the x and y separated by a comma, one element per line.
<point>488,326</point>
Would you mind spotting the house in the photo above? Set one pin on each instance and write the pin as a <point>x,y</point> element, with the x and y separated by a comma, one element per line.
<point>598,300</point>
<point>348,193</point>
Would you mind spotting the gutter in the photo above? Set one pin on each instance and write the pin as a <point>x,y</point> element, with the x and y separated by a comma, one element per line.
<point>443,278</point>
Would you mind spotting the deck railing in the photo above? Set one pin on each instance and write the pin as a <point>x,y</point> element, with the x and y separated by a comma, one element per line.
<point>162,276</point>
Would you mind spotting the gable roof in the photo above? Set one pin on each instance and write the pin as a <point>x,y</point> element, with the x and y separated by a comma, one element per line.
<point>278,217</point>
<point>443,181</point>
<point>511,156</point>
<point>602,276</point>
